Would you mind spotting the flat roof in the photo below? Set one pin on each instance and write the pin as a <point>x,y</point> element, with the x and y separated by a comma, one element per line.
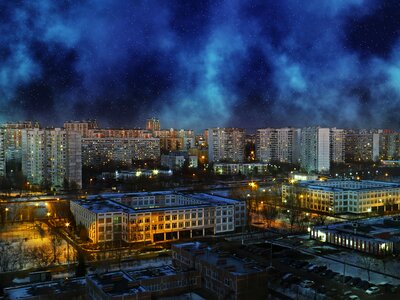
<point>220,259</point>
<point>212,198</point>
<point>44,288</point>
<point>360,185</point>
<point>103,206</point>
<point>117,283</point>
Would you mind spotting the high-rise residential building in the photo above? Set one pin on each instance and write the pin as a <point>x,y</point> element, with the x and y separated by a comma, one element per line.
<point>119,133</point>
<point>315,149</point>
<point>82,127</point>
<point>10,147</point>
<point>52,156</point>
<point>175,139</point>
<point>278,145</point>
<point>226,144</point>
<point>101,151</point>
<point>389,145</point>
<point>337,151</point>
<point>153,124</point>
<point>362,145</point>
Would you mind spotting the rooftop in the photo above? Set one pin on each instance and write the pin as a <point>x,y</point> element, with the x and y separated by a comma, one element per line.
<point>117,283</point>
<point>221,259</point>
<point>348,185</point>
<point>45,288</point>
<point>103,206</point>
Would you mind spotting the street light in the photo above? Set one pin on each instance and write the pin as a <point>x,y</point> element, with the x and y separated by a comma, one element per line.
<point>67,225</point>
<point>7,209</point>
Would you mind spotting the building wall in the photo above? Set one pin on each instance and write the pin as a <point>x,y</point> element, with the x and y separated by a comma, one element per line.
<point>226,144</point>
<point>98,151</point>
<point>315,149</point>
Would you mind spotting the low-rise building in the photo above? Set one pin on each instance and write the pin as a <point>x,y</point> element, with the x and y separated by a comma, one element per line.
<point>241,168</point>
<point>225,276</point>
<point>376,236</point>
<point>157,216</point>
<point>344,196</point>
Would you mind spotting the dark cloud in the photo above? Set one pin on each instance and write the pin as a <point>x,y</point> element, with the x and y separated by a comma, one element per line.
<point>201,63</point>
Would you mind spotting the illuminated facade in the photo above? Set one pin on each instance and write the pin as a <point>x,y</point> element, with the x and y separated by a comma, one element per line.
<point>83,127</point>
<point>157,216</point>
<point>226,144</point>
<point>345,196</point>
<point>52,156</point>
<point>98,151</point>
<point>242,168</point>
<point>278,145</point>
<point>377,236</point>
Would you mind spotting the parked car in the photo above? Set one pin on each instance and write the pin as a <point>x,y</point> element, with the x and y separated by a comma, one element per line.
<point>307,283</point>
<point>372,290</point>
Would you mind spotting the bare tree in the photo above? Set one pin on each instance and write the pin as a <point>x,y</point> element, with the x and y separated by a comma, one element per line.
<point>366,262</point>
<point>41,256</point>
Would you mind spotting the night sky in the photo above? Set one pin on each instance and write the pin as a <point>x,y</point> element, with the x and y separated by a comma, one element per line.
<point>198,64</point>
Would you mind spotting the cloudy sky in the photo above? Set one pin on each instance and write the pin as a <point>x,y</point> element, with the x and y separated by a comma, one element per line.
<point>198,64</point>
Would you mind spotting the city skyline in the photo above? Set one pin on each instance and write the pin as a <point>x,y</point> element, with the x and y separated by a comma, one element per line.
<point>227,63</point>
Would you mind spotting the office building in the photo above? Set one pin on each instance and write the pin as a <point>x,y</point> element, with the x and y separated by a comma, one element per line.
<point>52,157</point>
<point>315,149</point>
<point>345,196</point>
<point>157,216</point>
<point>226,144</point>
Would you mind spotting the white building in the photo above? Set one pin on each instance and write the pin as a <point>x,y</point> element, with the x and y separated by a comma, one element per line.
<point>315,149</point>
<point>176,160</point>
<point>226,144</point>
<point>52,156</point>
<point>345,196</point>
<point>157,216</point>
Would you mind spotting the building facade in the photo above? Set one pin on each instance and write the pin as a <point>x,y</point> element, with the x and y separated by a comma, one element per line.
<point>52,156</point>
<point>83,127</point>
<point>158,216</point>
<point>226,144</point>
<point>278,145</point>
<point>315,149</point>
<point>337,145</point>
<point>345,196</point>
<point>101,151</point>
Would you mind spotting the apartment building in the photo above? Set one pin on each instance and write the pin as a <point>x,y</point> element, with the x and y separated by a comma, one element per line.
<point>226,144</point>
<point>315,149</point>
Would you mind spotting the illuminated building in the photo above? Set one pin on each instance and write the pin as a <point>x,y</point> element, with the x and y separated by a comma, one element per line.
<point>278,145</point>
<point>345,196</point>
<point>175,139</point>
<point>176,160</point>
<point>376,236</point>
<point>11,145</point>
<point>153,124</point>
<point>226,144</point>
<point>315,149</point>
<point>82,127</point>
<point>100,151</point>
<point>52,156</point>
<point>240,168</point>
<point>157,216</point>
<point>362,145</point>
<point>337,145</point>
